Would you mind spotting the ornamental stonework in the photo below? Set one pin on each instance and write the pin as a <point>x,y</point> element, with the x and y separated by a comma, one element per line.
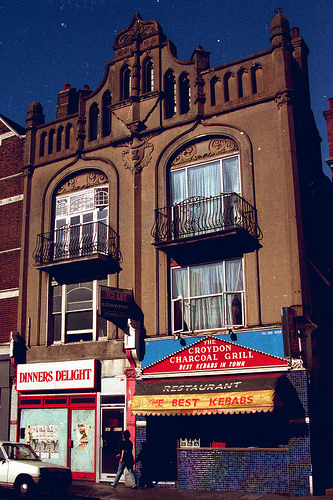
<point>137,154</point>
<point>205,150</point>
<point>83,181</point>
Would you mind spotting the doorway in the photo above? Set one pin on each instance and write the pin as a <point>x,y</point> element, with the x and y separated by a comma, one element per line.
<point>112,425</point>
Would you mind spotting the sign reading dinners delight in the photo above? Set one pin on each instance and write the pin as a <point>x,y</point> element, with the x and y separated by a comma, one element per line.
<point>56,376</point>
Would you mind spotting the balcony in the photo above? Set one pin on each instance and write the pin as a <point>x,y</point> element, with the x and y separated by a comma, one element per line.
<point>81,251</point>
<point>203,229</point>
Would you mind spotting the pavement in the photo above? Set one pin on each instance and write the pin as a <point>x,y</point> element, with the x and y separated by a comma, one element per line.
<point>84,490</point>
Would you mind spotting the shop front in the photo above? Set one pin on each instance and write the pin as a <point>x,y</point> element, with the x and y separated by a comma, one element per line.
<point>57,407</point>
<point>72,413</point>
<point>222,416</point>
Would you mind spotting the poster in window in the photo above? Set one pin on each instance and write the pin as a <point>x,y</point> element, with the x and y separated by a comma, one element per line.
<point>44,440</point>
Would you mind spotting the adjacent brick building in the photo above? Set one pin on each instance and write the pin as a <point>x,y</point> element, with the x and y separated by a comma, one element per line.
<point>11,211</point>
<point>175,281</point>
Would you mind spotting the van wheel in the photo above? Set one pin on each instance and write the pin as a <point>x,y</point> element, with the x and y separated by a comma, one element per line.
<point>25,487</point>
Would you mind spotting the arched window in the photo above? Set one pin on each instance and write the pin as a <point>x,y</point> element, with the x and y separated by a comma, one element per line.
<point>148,76</point>
<point>59,137</point>
<point>216,94</point>
<point>68,135</point>
<point>170,94</point>
<point>125,83</point>
<point>42,144</point>
<point>256,79</point>
<point>230,87</point>
<point>244,84</point>
<point>80,230</point>
<point>51,140</point>
<point>184,93</point>
<point>93,122</point>
<point>106,113</point>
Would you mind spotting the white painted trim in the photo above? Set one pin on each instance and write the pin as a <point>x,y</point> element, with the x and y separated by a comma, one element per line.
<point>6,135</point>
<point>10,250</point>
<point>8,294</point>
<point>12,199</point>
<point>20,174</point>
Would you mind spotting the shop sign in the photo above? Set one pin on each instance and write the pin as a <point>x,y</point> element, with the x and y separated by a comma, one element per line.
<point>232,402</point>
<point>211,354</point>
<point>66,375</point>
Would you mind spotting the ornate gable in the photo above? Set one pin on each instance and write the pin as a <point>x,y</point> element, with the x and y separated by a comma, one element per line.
<point>146,33</point>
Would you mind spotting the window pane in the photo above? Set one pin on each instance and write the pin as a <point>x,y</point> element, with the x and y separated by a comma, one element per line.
<point>234,309</point>
<point>178,316</point>
<point>101,197</point>
<point>178,186</point>
<point>88,217</point>
<point>82,201</point>
<point>179,283</point>
<point>231,181</point>
<point>207,313</point>
<point>60,223</point>
<point>102,214</point>
<point>56,298</point>
<point>79,321</point>
<point>234,275</point>
<point>56,327</point>
<point>61,208</point>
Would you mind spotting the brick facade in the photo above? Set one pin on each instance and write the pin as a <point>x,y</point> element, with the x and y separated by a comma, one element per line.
<point>11,212</point>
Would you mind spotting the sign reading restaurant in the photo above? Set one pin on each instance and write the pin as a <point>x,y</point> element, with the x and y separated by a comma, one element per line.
<point>212,354</point>
<point>57,376</point>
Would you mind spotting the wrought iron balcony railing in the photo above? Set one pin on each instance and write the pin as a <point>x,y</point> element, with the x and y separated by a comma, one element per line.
<point>74,241</point>
<point>198,216</point>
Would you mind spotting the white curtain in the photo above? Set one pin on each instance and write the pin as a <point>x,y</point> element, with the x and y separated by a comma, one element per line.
<point>205,180</point>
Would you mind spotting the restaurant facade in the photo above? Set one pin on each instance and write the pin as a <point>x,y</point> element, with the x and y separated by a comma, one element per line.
<point>223,415</point>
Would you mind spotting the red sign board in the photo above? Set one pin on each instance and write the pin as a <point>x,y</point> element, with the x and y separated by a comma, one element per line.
<point>60,375</point>
<point>212,354</point>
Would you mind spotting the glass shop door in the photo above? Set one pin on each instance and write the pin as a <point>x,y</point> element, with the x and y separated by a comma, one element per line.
<point>112,424</point>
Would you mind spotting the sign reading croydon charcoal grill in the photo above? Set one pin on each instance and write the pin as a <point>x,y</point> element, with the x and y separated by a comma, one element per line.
<point>212,354</point>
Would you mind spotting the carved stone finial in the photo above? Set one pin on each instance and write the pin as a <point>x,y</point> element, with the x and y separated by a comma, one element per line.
<point>280,29</point>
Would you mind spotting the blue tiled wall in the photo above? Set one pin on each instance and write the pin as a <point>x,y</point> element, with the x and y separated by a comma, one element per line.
<point>283,471</point>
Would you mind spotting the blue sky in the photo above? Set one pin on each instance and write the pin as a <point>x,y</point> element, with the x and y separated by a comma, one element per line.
<point>47,43</point>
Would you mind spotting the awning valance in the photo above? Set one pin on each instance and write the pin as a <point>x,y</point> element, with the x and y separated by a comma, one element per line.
<point>207,395</point>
